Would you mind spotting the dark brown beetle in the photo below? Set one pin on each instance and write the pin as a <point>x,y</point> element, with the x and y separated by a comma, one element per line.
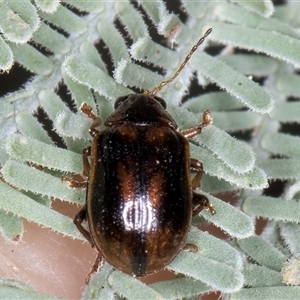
<point>140,196</point>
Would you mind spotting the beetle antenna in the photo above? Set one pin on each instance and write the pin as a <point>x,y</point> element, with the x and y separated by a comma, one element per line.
<point>163,83</point>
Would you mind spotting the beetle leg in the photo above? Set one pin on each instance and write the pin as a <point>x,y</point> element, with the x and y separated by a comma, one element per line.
<point>77,181</point>
<point>193,131</point>
<point>190,247</point>
<point>200,202</point>
<point>197,166</point>
<point>79,218</point>
<point>80,180</point>
<point>87,110</point>
<point>86,164</point>
<point>97,264</point>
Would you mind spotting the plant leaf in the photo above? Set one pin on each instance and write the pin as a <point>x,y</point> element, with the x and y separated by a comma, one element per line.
<point>15,202</point>
<point>31,179</point>
<point>247,91</point>
<point>272,43</point>
<point>267,255</point>
<point>272,208</point>
<point>229,218</point>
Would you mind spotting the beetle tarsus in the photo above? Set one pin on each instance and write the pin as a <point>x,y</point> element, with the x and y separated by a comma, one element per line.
<point>96,266</point>
<point>80,182</point>
<point>88,111</point>
<point>190,247</point>
<point>193,131</point>
<point>197,166</point>
<point>86,164</point>
<point>200,202</point>
<point>79,218</point>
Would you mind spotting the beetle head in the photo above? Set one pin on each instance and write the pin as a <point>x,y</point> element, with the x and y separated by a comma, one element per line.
<point>141,109</point>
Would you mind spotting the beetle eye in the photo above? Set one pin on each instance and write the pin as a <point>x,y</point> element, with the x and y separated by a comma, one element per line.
<point>120,100</point>
<point>161,101</point>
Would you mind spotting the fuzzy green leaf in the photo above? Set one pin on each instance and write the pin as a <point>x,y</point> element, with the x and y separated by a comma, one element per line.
<point>98,287</point>
<point>214,101</point>
<point>255,179</point>
<point>47,6</point>
<point>53,105</point>
<point>267,255</point>
<point>3,154</point>
<point>89,6</point>
<point>291,271</point>
<point>289,84</point>
<point>32,59</point>
<point>80,93</point>
<point>292,191</point>
<point>12,289</point>
<point>214,185</point>
<point>272,208</point>
<point>218,275</point>
<point>180,288</point>
<point>236,121</point>
<point>229,218</point>
<point>272,43</point>
<point>27,149</point>
<point>155,12</point>
<point>114,41</point>
<point>132,20</point>
<point>271,233</point>
<point>84,72</point>
<point>280,143</point>
<point>133,75</point>
<point>148,51</point>
<point>15,202</point>
<point>264,7</point>
<point>13,27</point>
<point>11,226</point>
<point>281,168</point>
<point>247,91</point>
<point>214,248</point>
<point>238,15</point>
<point>133,289</point>
<point>291,234</point>
<point>256,276</point>
<point>6,56</point>
<point>6,121</point>
<point>29,126</point>
<point>288,14</point>
<point>73,125</point>
<point>287,112</point>
<point>27,11</point>
<point>15,284</point>
<point>90,53</point>
<point>194,7</point>
<point>31,179</point>
<point>65,19</point>
<point>251,64</point>
<point>24,99</point>
<point>167,24</point>
<point>267,293</point>
<point>235,154</point>
<point>158,13</point>
<point>51,39</point>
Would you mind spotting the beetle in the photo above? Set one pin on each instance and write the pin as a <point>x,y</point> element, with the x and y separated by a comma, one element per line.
<point>140,195</point>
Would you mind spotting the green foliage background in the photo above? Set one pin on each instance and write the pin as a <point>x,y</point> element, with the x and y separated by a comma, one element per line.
<point>246,267</point>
